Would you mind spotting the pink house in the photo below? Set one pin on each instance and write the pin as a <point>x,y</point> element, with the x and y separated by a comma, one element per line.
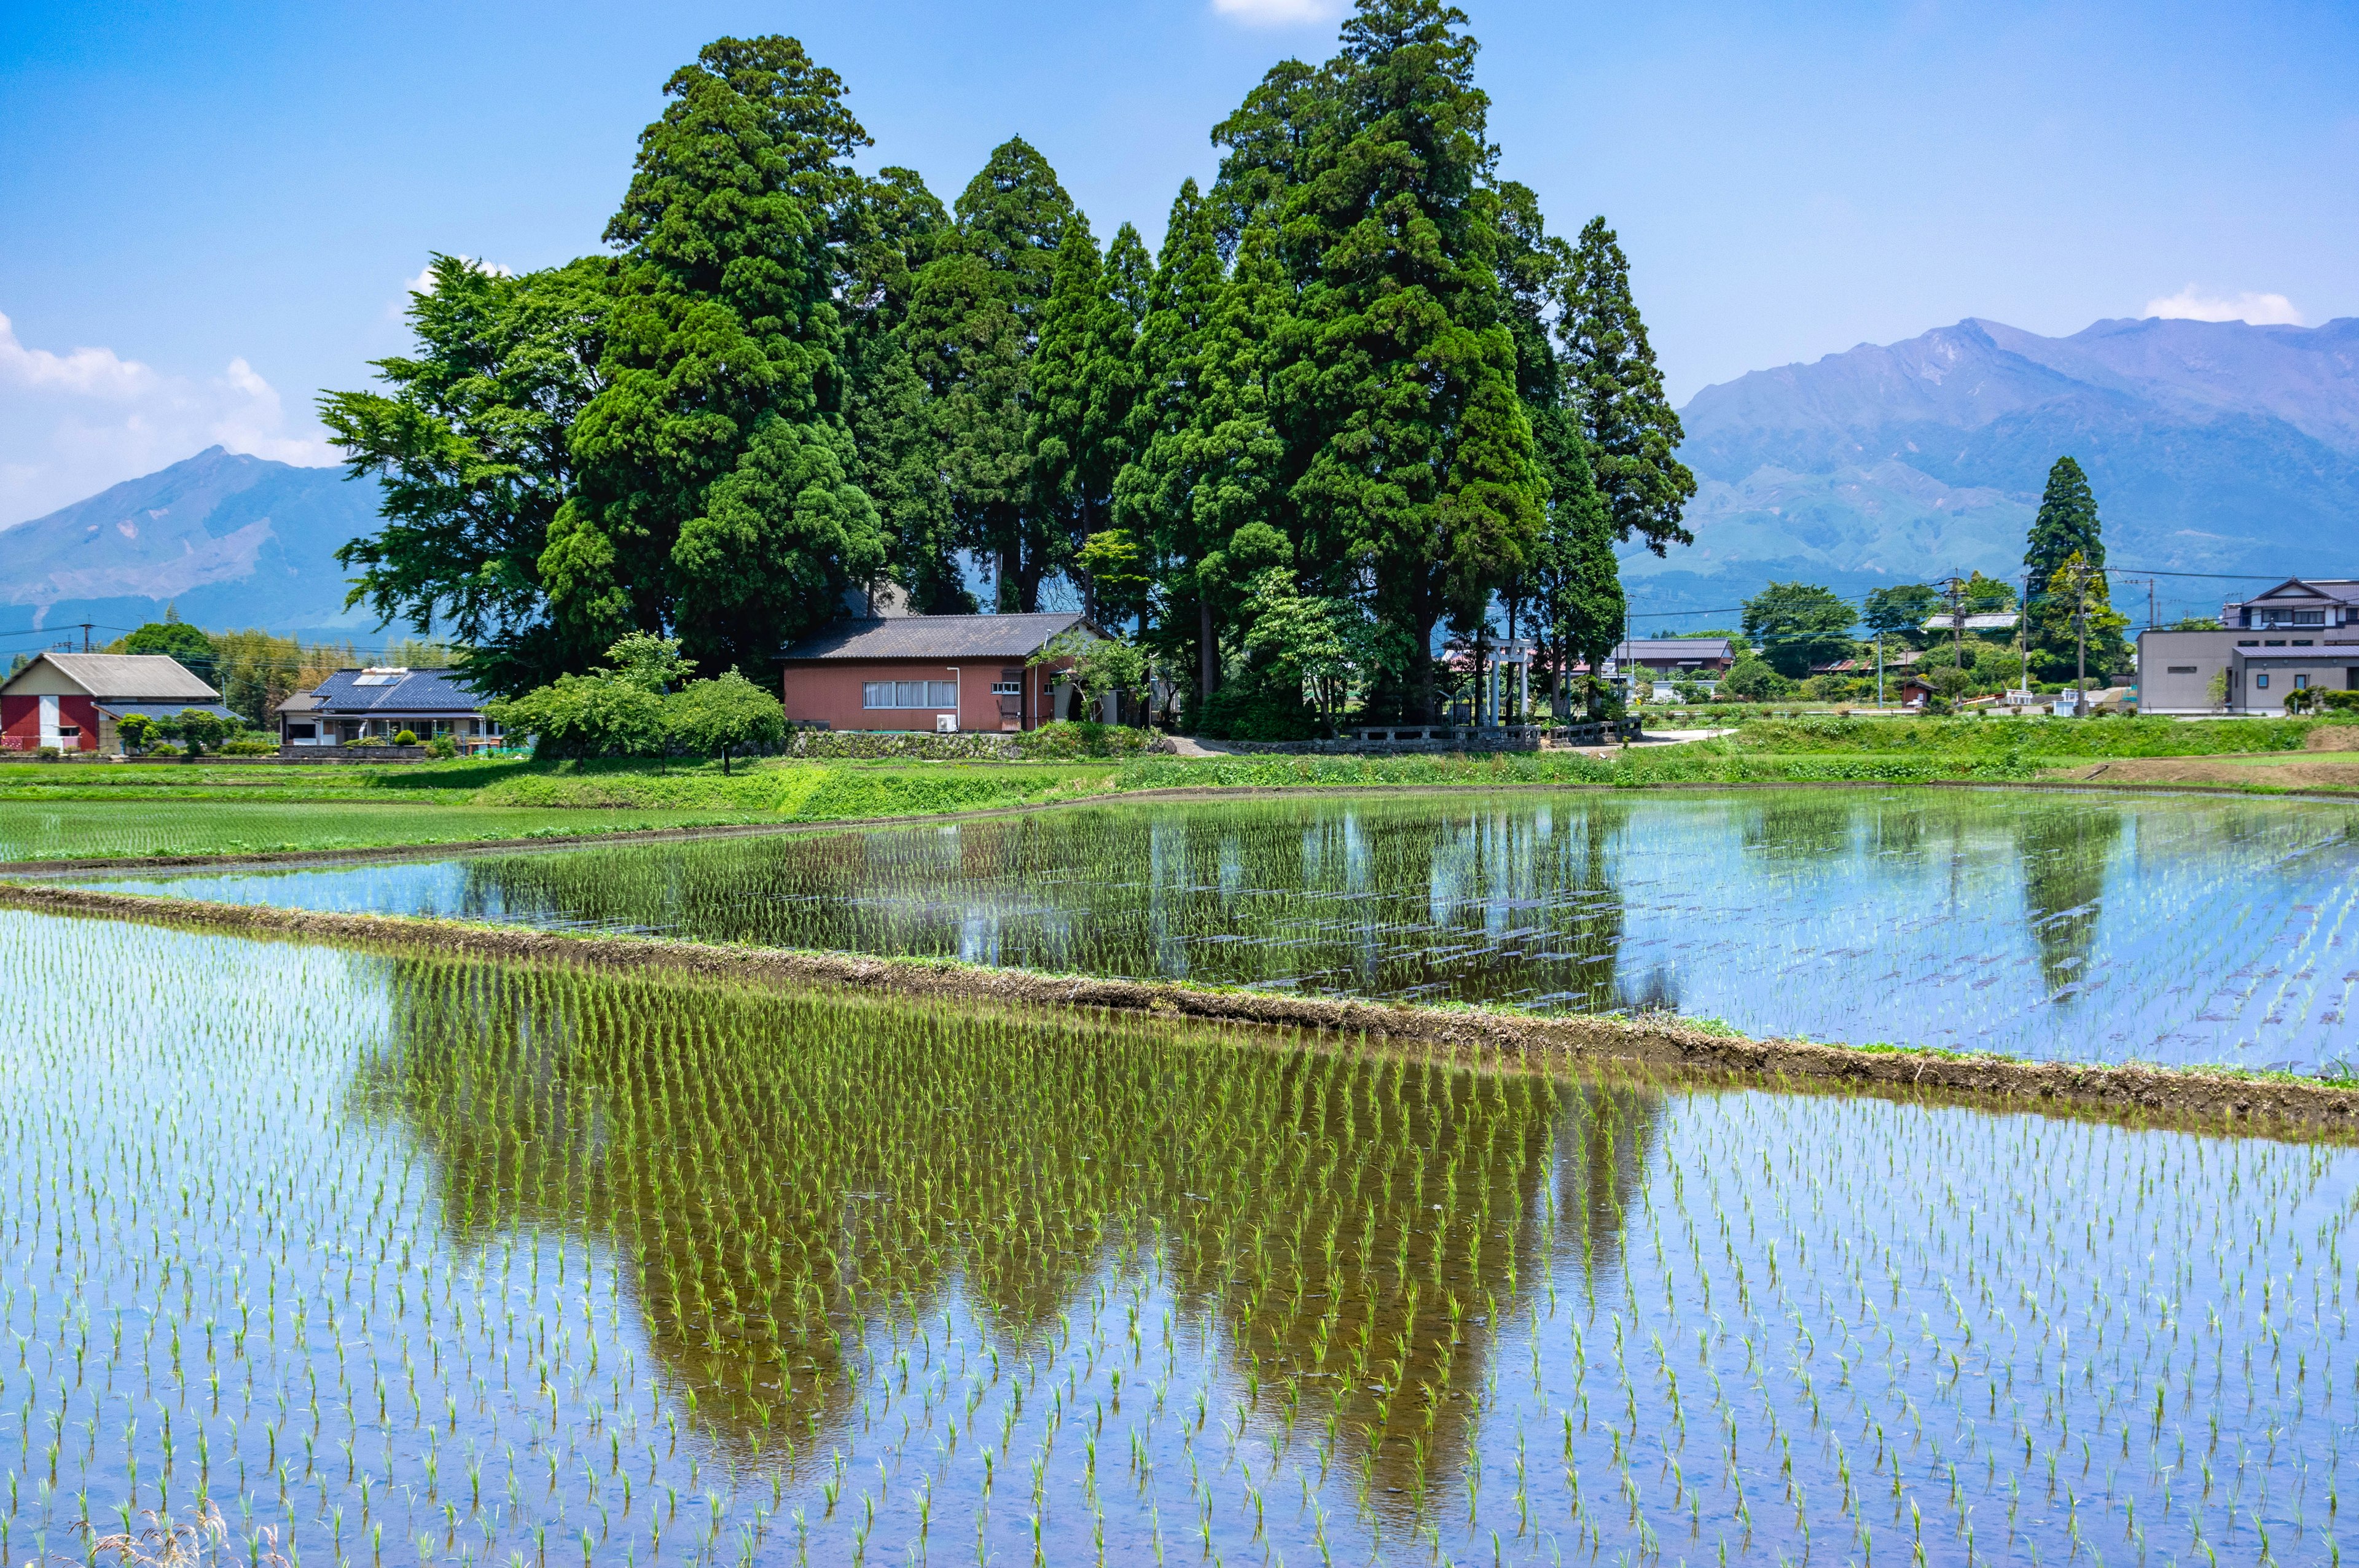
<point>932,673</point>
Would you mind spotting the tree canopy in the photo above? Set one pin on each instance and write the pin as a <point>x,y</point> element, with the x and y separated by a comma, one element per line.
<point>792,389</point>
<point>1798,625</point>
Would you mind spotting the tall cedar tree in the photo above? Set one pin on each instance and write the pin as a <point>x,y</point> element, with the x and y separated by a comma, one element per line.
<point>2067,526</point>
<point>715,492</point>
<point>1082,386</point>
<point>1161,497</point>
<point>972,328</point>
<point>1632,429</point>
<point>1569,597</point>
<point>1400,381</point>
<point>899,228</point>
<point>472,446</point>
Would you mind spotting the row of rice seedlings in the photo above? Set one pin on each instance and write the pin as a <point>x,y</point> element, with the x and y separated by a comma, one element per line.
<point>477,1262</point>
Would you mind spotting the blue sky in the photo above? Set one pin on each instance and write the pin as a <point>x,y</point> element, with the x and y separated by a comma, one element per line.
<point>213,208</point>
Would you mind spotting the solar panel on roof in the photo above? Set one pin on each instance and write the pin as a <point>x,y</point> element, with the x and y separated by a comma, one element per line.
<point>380,678</point>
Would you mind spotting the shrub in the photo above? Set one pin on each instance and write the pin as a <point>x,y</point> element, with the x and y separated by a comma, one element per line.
<point>249,746</point>
<point>405,738</point>
<point>441,746</point>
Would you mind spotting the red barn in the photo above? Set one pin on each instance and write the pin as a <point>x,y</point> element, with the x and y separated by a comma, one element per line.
<point>932,672</point>
<point>70,701</point>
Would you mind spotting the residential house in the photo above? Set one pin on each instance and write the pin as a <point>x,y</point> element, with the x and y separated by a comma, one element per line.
<point>381,702</point>
<point>935,673</point>
<point>2301,634</point>
<point>74,702</point>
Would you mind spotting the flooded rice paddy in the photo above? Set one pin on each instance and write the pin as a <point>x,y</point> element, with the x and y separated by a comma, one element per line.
<point>411,1260</point>
<point>2084,927</point>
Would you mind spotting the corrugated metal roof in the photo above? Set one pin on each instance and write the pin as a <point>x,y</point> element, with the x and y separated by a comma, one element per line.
<point>943,637</point>
<point>1675,648</point>
<point>1987,620</point>
<point>414,691</point>
<point>131,677</point>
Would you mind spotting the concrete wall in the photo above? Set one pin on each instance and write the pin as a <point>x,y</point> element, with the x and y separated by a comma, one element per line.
<point>2175,669</point>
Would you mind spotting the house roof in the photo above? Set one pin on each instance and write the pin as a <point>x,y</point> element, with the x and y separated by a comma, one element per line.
<point>129,677</point>
<point>1677,650</point>
<point>394,691</point>
<point>942,637</point>
<point>1990,621</point>
<point>2344,588</point>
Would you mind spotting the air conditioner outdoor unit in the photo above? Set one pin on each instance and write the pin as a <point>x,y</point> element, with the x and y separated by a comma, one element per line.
<point>945,723</point>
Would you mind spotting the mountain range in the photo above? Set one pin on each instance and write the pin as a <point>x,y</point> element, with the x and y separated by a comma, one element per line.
<point>2211,447</point>
<point>226,539</point>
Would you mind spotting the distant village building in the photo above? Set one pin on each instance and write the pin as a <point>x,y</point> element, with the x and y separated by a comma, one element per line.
<point>2301,636</point>
<point>72,702</point>
<point>939,673</point>
<point>382,702</point>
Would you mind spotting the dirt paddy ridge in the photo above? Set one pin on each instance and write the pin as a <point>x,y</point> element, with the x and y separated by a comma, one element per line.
<point>2186,1096</point>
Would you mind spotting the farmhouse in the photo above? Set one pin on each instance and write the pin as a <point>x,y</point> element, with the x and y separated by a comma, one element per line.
<point>1677,658</point>
<point>382,702</point>
<point>934,672</point>
<point>73,701</point>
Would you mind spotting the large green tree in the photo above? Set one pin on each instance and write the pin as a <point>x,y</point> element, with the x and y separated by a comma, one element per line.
<point>1798,625</point>
<point>1408,450</point>
<point>1568,596</point>
<point>471,440</point>
<point>2067,528</point>
<point>651,443</point>
<point>714,463</point>
<point>1632,431</point>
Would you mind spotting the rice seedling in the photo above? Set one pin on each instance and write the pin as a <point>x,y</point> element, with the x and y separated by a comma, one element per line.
<point>316,1255</point>
<point>2030,925</point>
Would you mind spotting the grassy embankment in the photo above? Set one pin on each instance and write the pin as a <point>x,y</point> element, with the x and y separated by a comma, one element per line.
<point>59,810</point>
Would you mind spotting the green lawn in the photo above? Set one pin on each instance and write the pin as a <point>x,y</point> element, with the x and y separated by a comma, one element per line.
<point>74,829</point>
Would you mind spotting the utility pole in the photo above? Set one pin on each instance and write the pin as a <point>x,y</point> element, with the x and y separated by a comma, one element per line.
<point>1879,671</point>
<point>2079,635</point>
<point>85,635</point>
<point>2023,636</point>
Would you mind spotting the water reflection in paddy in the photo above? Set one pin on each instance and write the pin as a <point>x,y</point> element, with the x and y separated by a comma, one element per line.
<point>2176,929</point>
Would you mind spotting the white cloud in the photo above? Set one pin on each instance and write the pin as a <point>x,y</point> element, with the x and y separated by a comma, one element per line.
<point>2260,310</point>
<point>1278,13</point>
<point>73,423</point>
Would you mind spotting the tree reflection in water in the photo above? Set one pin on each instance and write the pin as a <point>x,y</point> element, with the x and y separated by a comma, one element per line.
<point>811,1198</point>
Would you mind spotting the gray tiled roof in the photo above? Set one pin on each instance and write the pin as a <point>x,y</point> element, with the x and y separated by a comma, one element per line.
<point>943,637</point>
<point>412,691</point>
<point>132,677</point>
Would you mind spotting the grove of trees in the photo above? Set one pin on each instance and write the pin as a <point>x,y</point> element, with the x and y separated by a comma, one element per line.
<point>1360,402</point>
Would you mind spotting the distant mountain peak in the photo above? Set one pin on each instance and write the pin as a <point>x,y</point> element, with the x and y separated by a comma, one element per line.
<point>2211,444</point>
<point>233,539</point>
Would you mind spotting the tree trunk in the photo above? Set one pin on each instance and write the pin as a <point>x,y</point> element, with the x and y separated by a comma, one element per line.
<point>1208,655</point>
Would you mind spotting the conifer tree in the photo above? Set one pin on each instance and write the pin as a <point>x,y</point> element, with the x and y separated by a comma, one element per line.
<point>1416,455</point>
<point>1569,597</point>
<point>1631,430</point>
<point>715,493</point>
<point>2066,533</point>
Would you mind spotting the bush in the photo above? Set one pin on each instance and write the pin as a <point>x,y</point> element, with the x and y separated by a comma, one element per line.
<point>441,746</point>
<point>405,738</point>
<point>249,746</point>
<point>48,754</point>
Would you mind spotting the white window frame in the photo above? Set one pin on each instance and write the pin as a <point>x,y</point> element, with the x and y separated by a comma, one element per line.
<point>907,696</point>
